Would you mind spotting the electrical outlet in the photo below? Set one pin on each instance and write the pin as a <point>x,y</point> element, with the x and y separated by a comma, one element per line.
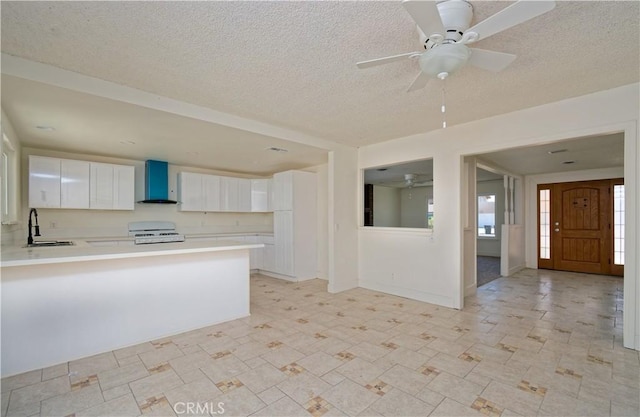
<point>237,222</point>
<point>53,225</point>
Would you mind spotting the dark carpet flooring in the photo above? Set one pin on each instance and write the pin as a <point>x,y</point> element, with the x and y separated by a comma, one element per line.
<point>488,268</point>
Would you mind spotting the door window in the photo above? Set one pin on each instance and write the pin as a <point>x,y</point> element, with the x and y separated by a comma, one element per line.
<point>618,224</point>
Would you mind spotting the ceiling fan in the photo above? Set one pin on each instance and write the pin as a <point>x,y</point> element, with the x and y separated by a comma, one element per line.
<point>410,181</point>
<point>445,33</point>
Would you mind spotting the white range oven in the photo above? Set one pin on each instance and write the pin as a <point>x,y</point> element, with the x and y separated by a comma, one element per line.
<point>145,232</point>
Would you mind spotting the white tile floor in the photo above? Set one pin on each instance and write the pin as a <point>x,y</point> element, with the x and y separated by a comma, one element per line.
<point>538,343</point>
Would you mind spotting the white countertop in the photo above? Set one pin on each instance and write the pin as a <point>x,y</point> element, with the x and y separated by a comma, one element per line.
<point>82,251</point>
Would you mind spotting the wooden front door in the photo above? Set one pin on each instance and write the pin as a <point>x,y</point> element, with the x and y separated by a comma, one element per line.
<point>579,230</point>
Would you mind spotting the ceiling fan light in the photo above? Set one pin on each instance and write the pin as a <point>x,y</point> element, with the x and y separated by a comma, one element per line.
<point>445,58</point>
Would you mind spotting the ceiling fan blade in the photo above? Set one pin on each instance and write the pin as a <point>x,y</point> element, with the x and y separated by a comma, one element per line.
<point>426,15</point>
<point>385,60</point>
<point>420,82</point>
<point>511,16</point>
<point>490,60</point>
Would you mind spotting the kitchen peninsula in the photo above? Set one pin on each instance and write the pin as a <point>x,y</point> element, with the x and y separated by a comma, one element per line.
<point>64,303</point>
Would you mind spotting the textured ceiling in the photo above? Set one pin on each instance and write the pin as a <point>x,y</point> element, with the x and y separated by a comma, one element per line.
<point>591,152</point>
<point>97,126</point>
<point>292,64</point>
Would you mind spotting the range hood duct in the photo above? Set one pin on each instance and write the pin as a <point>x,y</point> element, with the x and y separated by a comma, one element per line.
<point>156,183</point>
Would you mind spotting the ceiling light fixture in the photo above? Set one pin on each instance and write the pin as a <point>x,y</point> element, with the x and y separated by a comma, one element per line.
<point>445,59</point>
<point>442,61</point>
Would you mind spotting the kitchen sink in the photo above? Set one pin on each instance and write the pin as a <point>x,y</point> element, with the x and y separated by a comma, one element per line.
<point>47,243</point>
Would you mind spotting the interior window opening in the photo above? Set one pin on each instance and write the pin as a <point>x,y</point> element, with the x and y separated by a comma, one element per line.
<point>8,208</point>
<point>399,195</point>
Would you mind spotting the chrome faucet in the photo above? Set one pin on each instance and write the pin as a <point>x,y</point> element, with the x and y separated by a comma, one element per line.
<point>30,237</point>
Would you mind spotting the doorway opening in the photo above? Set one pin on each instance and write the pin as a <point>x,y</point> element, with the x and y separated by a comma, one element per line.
<point>489,222</point>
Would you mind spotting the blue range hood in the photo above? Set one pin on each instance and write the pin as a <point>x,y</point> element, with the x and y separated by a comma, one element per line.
<point>156,183</point>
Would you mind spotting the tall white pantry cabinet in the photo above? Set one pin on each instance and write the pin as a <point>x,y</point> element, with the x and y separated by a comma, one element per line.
<point>294,224</point>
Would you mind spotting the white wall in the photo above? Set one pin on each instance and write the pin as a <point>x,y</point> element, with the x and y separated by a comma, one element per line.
<point>58,223</point>
<point>512,256</point>
<point>386,206</point>
<point>345,201</point>
<point>491,246</point>
<point>469,202</point>
<point>322,176</point>
<point>10,232</point>
<point>607,111</point>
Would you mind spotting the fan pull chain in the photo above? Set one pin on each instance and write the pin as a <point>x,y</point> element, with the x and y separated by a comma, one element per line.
<point>443,109</point>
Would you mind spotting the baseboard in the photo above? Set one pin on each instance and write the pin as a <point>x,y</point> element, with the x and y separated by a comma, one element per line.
<point>470,289</point>
<point>515,269</point>
<point>408,293</point>
<point>492,255</point>
<point>276,275</point>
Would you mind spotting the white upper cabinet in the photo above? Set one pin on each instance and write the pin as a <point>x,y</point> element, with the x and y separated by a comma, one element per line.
<point>229,194</point>
<point>283,191</point>
<point>58,183</point>
<point>261,195</point>
<point>244,195</point>
<point>190,192</point>
<point>199,192</point>
<point>74,184</point>
<point>101,195</point>
<point>203,192</point>
<point>66,183</point>
<point>112,187</point>
<point>124,194</point>
<point>44,182</point>
<point>211,192</point>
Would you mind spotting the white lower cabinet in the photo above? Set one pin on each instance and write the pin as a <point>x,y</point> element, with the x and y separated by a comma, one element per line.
<point>255,254</point>
<point>269,257</point>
